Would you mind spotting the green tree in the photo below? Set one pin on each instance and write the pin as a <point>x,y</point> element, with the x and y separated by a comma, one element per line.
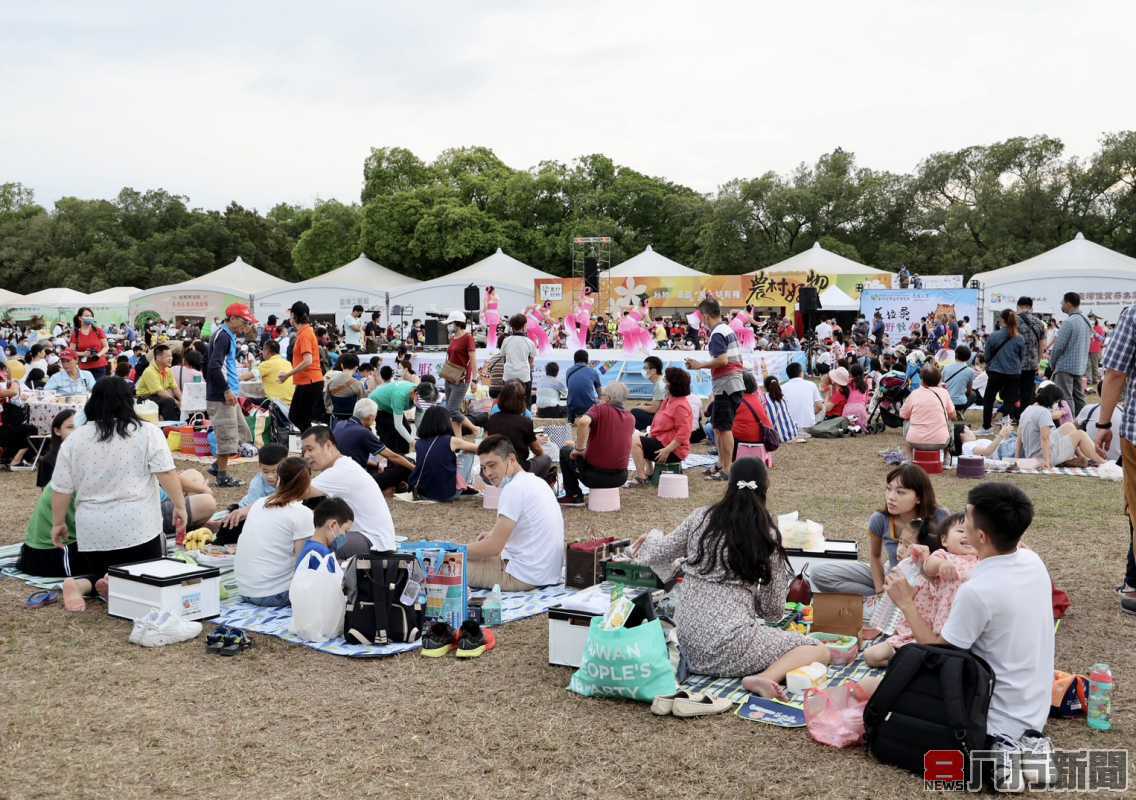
<point>330,242</point>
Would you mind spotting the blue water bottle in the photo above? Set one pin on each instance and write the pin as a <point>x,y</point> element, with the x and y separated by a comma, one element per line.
<point>1100,697</point>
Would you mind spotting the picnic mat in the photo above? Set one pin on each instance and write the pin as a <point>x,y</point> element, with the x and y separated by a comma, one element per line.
<point>211,459</point>
<point>9,555</point>
<point>761,710</point>
<point>274,621</point>
<point>1013,469</point>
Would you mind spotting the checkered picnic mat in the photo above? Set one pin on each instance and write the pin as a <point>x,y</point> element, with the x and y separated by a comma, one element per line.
<point>731,688</point>
<point>1008,467</point>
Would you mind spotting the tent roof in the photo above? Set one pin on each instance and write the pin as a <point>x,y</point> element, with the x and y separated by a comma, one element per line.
<point>61,296</point>
<point>10,298</point>
<point>823,261</point>
<point>239,277</point>
<point>836,299</point>
<point>115,295</point>
<point>498,268</point>
<point>362,273</point>
<point>650,264</point>
<point>1076,257</point>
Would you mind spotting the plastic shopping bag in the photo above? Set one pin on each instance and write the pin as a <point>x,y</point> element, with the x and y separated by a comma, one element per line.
<point>317,598</point>
<point>631,663</point>
<point>835,716</point>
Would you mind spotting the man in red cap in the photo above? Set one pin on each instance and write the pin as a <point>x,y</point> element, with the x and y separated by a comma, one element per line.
<point>223,384</point>
<point>70,380</point>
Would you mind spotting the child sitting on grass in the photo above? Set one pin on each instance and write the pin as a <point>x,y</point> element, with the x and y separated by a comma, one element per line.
<point>332,519</point>
<point>944,570</point>
<point>262,485</point>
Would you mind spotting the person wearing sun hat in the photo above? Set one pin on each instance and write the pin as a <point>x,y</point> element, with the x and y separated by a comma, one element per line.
<point>838,393</point>
<point>222,385</point>
<point>70,380</point>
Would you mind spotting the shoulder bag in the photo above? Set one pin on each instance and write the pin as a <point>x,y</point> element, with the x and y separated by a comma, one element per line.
<point>770,438</point>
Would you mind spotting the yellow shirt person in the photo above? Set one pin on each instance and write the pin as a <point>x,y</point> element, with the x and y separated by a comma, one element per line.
<point>270,370</point>
<point>155,380</point>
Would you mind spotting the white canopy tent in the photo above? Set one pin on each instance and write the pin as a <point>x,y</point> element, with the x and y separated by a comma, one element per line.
<point>9,298</point>
<point>359,282</point>
<point>836,299</point>
<point>111,305</point>
<point>512,280</point>
<point>1105,279</point>
<point>650,264</point>
<point>52,305</point>
<point>207,295</point>
<point>824,262</point>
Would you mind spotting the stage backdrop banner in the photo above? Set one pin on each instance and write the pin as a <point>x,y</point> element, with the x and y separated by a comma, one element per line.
<point>615,365</point>
<point>902,309</point>
<point>941,281</point>
<point>761,290</point>
<point>203,303</point>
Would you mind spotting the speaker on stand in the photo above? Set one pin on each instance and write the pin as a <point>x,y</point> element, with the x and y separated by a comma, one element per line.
<point>808,302</point>
<point>472,298</point>
<point>435,333</point>
<point>592,273</point>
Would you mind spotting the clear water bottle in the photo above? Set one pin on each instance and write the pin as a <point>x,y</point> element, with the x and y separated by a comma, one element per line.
<point>491,610</point>
<point>1100,697</point>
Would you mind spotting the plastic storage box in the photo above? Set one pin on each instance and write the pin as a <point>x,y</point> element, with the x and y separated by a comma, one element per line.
<point>163,584</point>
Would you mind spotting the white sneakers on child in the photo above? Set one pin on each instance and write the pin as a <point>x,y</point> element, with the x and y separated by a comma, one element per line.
<point>158,629</point>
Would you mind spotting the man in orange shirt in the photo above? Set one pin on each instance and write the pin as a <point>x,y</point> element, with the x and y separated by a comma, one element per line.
<point>307,401</point>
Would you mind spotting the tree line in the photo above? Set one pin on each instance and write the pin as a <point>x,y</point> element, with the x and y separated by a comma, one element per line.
<point>977,208</point>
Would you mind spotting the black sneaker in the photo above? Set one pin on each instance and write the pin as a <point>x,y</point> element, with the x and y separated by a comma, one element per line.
<point>438,641</point>
<point>572,501</point>
<point>213,469</point>
<point>474,640</point>
<point>1128,605</point>
<point>227,481</point>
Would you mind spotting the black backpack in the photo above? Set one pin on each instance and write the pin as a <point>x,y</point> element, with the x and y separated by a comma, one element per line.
<point>932,698</point>
<point>375,613</point>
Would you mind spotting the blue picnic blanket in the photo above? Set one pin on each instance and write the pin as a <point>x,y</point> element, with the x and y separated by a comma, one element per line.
<point>274,621</point>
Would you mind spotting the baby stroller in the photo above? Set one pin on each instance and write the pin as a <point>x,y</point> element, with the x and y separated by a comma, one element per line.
<point>281,428</point>
<point>887,402</point>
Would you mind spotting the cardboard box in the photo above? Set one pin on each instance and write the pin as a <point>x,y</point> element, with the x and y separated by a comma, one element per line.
<point>837,612</point>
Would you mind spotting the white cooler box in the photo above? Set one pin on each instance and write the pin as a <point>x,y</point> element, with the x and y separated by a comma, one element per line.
<point>835,550</point>
<point>569,622</point>
<point>163,584</point>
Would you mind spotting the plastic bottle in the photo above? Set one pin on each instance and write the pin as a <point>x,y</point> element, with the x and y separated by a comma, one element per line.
<point>491,610</point>
<point>1100,697</point>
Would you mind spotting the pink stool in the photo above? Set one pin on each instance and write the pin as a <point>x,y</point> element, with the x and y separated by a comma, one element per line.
<point>491,495</point>
<point>674,486</point>
<point>603,500</point>
<point>750,450</point>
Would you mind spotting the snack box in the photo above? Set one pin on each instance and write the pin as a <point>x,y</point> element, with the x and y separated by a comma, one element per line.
<point>163,584</point>
<point>842,650</point>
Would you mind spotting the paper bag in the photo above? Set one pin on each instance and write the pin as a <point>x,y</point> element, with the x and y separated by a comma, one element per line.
<point>837,612</point>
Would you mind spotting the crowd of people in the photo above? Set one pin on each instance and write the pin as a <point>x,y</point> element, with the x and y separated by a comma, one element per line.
<point>368,430</point>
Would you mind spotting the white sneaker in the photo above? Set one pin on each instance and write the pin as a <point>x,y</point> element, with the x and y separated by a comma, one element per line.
<point>140,627</point>
<point>1007,777</point>
<point>1037,759</point>
<point>169,629</point>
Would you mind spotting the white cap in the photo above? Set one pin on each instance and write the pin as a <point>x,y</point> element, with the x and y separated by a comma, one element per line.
<point>456,316</point>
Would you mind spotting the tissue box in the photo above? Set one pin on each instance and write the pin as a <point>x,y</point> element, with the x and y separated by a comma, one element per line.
<point>810,676</point>
<point>842,650</point>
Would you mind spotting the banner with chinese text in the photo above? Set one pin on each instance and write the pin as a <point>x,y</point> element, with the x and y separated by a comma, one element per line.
<point>904,309</point>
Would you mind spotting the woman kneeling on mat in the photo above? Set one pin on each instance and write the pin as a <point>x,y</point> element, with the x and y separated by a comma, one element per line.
<point>736,577</point>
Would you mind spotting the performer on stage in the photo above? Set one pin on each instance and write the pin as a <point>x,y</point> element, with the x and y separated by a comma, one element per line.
<point>629,330</point>
<point>742,325</point>
<point>644,340</point>
<point>492,318</point>
<point>537,316</point>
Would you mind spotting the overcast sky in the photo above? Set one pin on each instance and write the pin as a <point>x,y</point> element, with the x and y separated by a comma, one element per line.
<point>262,102</point>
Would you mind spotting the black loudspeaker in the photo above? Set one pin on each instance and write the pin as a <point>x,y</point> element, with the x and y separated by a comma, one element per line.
<point>592,273</point>
<point>435,333</point>
<point>808,299</point>
<point>472,298</point>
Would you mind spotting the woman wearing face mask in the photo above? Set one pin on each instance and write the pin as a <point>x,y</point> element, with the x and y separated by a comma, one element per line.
<point>90,342</point>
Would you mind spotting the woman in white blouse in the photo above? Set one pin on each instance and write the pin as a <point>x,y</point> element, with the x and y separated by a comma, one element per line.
<point>112,466</point>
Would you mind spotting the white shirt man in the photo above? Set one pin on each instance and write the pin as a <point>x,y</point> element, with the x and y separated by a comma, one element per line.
<point>342,477</point>
<point>353,328</point>
<point>803,399</point>
<point>823,331</point>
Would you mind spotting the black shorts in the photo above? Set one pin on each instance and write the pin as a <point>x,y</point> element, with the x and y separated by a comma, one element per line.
<point>651,448</point>
<point>725,409</point>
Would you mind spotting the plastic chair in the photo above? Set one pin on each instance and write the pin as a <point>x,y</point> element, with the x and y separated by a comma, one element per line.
<point>752,450</point>
<point>674,487</point>
<point>603,500</point>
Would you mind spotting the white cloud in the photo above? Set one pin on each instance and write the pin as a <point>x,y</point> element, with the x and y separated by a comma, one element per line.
<point>264,102</point>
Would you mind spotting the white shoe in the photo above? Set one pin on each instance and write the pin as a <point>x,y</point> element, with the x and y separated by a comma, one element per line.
<point>140,627</point>
<point>1037,759</point>
<point>169,629</point>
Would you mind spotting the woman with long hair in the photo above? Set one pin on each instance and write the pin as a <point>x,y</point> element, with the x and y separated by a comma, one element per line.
<point>275,531</point>
<point>778,409</point>
<point>736,577</point>
<point>62,426</point>
<point>90,342</point>
<point>859,394</point>
<point>1004,350</point>
<point>111,467</point>
<point>909,495</point>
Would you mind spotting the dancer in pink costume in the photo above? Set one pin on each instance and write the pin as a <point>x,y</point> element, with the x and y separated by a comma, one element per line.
<point>629,332</point>
<point>643,338</point>
<point>740,325</point>
<point>576,323</point>
<point>492,317</point>
<point>537,316</point>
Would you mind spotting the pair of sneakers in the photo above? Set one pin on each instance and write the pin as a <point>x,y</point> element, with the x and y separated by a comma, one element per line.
<point>469,641</point>
<point>1027,762</point>
<point>159,628</point>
